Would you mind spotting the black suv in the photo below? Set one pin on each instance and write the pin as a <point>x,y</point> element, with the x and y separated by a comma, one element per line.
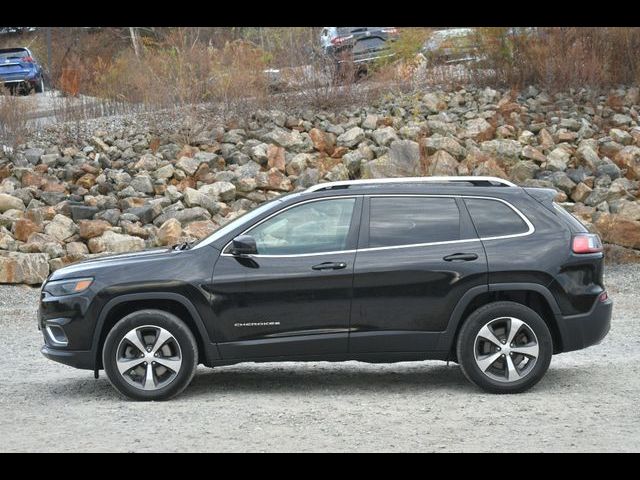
<point>474,270</point>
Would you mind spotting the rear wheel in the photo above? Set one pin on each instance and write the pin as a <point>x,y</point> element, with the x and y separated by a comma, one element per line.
<point>504,347</point>
<point>150,355</point>
<point>39,86</point>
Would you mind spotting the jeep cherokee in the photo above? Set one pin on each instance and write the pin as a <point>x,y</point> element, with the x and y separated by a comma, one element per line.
<point>474,270</point>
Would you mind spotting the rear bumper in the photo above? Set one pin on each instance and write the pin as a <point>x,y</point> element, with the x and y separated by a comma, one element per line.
<point>74,358</point>
<point>368,58</point>
<point>581,331</point>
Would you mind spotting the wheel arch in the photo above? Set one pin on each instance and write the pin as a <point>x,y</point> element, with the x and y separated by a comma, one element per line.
<point>532,295</point>
<point>120,306</point>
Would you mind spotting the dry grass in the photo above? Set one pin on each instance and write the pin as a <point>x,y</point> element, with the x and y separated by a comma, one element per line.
<point>15,113</point>
<point>559,58</point>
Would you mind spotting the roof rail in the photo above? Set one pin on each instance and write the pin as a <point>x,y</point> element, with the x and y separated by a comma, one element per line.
<point>477,181</point>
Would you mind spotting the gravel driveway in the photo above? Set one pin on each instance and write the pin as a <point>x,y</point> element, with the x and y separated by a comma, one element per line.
<point>586,402</point>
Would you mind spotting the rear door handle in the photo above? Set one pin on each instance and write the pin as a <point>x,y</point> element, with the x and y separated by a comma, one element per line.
<point>464,257</point>
<point>330,266</point>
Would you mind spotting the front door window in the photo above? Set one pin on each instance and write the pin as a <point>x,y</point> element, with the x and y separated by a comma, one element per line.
<point>313,227</point>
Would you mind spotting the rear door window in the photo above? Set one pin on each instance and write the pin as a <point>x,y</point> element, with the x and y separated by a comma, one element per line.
<point>493,218</point>
<point>396,221</point>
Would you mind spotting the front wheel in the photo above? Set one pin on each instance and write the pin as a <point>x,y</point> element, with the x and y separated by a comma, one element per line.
<point>150,355</point>
<point>504,347</point>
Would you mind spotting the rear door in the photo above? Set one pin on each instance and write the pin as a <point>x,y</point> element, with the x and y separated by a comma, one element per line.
<point>417,256</point>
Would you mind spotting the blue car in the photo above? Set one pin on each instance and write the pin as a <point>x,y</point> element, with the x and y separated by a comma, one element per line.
<point>20,71</point>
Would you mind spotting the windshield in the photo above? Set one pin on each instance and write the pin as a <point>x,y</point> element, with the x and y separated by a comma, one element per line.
<point>237,222</point>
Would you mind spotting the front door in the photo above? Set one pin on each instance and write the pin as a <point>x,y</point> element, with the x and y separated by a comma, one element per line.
<point>418,256</point>
<point>293,298</point>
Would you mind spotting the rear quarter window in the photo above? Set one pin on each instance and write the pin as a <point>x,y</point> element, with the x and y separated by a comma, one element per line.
<point>572,222</point>
<point>493,218</point>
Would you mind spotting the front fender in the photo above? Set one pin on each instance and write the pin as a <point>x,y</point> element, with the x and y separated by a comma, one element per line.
<point>210,348</point>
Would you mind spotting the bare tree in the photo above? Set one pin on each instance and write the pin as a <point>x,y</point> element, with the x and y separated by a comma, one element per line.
<point>134,41</point>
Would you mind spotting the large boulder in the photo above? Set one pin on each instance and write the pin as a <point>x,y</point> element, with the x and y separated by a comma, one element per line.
<point>478,129</point>
<point>273,179</point>
<point>115,243</point>
<point>285,138</point>
<point>93,228</point>
<point>351,137</point>
<point>200,229</point>
<point>188,165</point>
<point>505,150</point>
<point>61,228</point>
<point>8,202</point>
<point>434,102</point>
<point>402,160</point>
<point>184,216</point>
<point>441,163</point>
<point>384,136</point>
<point>169,233</point>
<point>30,268</point>
<point>448,144</point>
<point>219,191</point>
<point>629,158</point>
<point>617,229</point>
<point>324,142</point>
<point>24,227</point>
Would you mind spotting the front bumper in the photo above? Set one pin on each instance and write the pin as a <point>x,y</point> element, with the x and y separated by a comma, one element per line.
<point>584,330</point>
<point>83,359</point>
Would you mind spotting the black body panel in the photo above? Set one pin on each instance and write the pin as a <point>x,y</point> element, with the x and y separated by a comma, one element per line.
<point>372,304</point>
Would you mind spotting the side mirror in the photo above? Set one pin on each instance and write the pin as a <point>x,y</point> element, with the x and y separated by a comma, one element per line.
<point>244,245</point>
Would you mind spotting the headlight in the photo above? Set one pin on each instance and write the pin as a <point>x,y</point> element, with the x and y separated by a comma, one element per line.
<point>59,288</point>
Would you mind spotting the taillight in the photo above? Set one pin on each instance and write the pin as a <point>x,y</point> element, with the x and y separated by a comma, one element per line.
<point>604,296</point>
<point>27,59</point>
<point>390,31</point>
<point>341,40</point>
<point>586,243</point>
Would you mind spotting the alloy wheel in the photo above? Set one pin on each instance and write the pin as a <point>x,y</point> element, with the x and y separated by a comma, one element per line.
<point>506,349</point>
<point>148,357</point>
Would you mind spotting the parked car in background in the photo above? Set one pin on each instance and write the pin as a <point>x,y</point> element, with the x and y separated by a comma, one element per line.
<point>19,70</point>
<point>357,46</point>
<point>16,30</point>
<point>452,45</point>
<point>458,45</point>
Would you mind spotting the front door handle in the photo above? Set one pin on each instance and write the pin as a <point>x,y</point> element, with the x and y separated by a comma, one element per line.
<point>464,257</point>
<point>330,266</point>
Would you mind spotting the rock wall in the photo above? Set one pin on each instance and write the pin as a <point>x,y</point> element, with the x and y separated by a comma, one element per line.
<point>123,188</point>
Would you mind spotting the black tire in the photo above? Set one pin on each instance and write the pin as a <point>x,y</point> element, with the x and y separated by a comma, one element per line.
<point>155,318</point>
<point>39,87</point>
<point>466,347</point>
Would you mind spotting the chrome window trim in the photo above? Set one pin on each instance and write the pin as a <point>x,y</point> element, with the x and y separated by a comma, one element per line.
<point>531,228</point>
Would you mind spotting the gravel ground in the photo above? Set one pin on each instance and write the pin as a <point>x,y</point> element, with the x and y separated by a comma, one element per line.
<point>586,402</point>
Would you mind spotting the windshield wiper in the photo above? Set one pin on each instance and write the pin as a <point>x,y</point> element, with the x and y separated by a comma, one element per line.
<point>183,246</point>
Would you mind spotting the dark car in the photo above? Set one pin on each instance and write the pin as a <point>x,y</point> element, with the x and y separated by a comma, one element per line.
<point>452,46</point>
<point>474,270</point>
<point>20,71</point>
<point>356,47</point>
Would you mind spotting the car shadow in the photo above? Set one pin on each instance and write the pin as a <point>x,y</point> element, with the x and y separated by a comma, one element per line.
<point>323,378</point>
<point>328,379</point>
